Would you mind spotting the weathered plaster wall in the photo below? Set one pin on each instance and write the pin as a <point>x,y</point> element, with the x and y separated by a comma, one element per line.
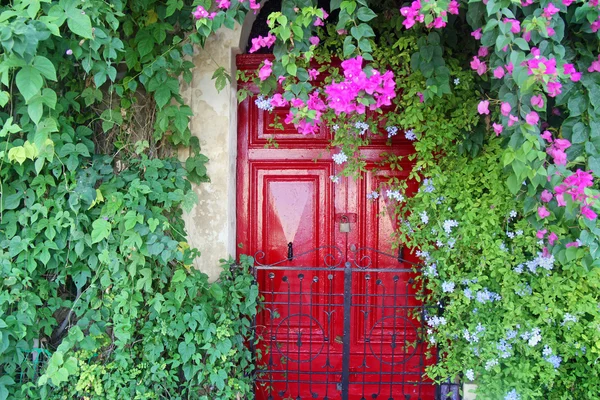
<point>211,223</point>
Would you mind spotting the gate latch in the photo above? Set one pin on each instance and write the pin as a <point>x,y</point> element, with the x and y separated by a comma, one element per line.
<point>344,224</point>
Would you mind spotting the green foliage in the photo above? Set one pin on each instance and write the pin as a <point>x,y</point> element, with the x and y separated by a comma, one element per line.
<point>97,295</point>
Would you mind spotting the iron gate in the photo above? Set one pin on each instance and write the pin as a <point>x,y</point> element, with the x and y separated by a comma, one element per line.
<point>342,328</point>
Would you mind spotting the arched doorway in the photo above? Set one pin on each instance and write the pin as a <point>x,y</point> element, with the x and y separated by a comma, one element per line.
<point>340,316</point>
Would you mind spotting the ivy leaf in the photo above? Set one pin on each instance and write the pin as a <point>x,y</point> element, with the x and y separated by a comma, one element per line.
<point>179,276</point>
<point>79,23</point>
<point>29,82</point>
<point>365,14</point>
<point>162,95</point>
<point>45,67</point>
<point>4,97</point>
<point>186,350</point>
<point>100,230</point>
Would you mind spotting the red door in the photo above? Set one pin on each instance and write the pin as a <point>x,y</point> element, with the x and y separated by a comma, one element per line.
<point>338,318</point>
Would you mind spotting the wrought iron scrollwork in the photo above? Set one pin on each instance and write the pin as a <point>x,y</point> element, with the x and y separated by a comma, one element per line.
<point>332,257</point>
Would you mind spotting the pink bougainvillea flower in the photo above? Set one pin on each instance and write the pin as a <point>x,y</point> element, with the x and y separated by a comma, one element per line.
<point>515,25</point>
<point>319,21</point>
<point>543,212</point>
<point>499,72</point>
<point>557,151</point>
<point>512,120</point>
<point>254,5</point>
<point>541,233</point>
<point>527,36</point>
<point>224,4</point>
<point>554,88</point>
<point>567,3</point>
<point>278,101</point>
<point>526,3</point>
<point>478,66</point>
<point>595,67</point>
<point>588,213</point>
<point>298,103</point>
<point>312,74</point>
<point>421,98</point>
<point>596,25</point>
<point>562,144</point>
<point>546,196</point>
<point>265,71</point>
<point>497,128</point>
<point>477,34</point>
<point>573,244</point>
<point>532,118</point>
<point>550,10</point>
<point>505,109</point>
<point>537,101</point>
<point>569,69</point>
<point>314,40</point>
<point>200,12</point>
<point>483,52</point>
<point>260,41</point>
<point>412,14</point>
<point>482,107</point>
<point>552,237</point>
<point>547,135</point>
<point>453,7</point>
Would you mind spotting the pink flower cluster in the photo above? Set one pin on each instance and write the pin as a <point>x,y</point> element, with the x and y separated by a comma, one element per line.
<point>595,67</point>
<point>200,12</point>
<point>545,70</point>
<point>343,96</point>
<point>303,125</point>
<point>413,14</point>
<point>319,21</point>
<point>557,149</point>
<point>260,41</point>
<point>575,185</point>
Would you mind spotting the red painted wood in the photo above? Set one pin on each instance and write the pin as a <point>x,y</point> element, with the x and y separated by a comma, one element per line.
<point>284,194</point>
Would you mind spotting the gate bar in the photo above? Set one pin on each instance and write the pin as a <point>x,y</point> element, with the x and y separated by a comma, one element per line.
<point>346,337</point>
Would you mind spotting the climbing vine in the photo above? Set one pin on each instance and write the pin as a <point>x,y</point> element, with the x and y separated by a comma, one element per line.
<point>500,101</point>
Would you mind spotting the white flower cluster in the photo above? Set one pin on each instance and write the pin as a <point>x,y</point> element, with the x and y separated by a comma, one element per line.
<point>491,364</point>
<point>373,195</point>
<point>362,127</point>
<point>504,348</point>
<point>448,225</point>
<point>533,337</point>
<point>424,217</point>
<point>551,358</point>
<point>568,318</point>
<point>263,103</point>
<point>448,287</point>
<point>392,131</point>
<point>436,321</point>
<point>485,296</point>
<point>410,135</point>
<point>512,395</point>
<point>470,374</point>
<point>474,337</point>
<point>394,194</point>
<point>340,158</point>
<point>427,185</point>
<point>524,289</point>
<point>540,261</point>
<point>334,178</point>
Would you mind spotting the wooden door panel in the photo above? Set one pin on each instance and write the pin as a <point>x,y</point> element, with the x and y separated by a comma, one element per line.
<point>339,318</point>
<point>267,125</point>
